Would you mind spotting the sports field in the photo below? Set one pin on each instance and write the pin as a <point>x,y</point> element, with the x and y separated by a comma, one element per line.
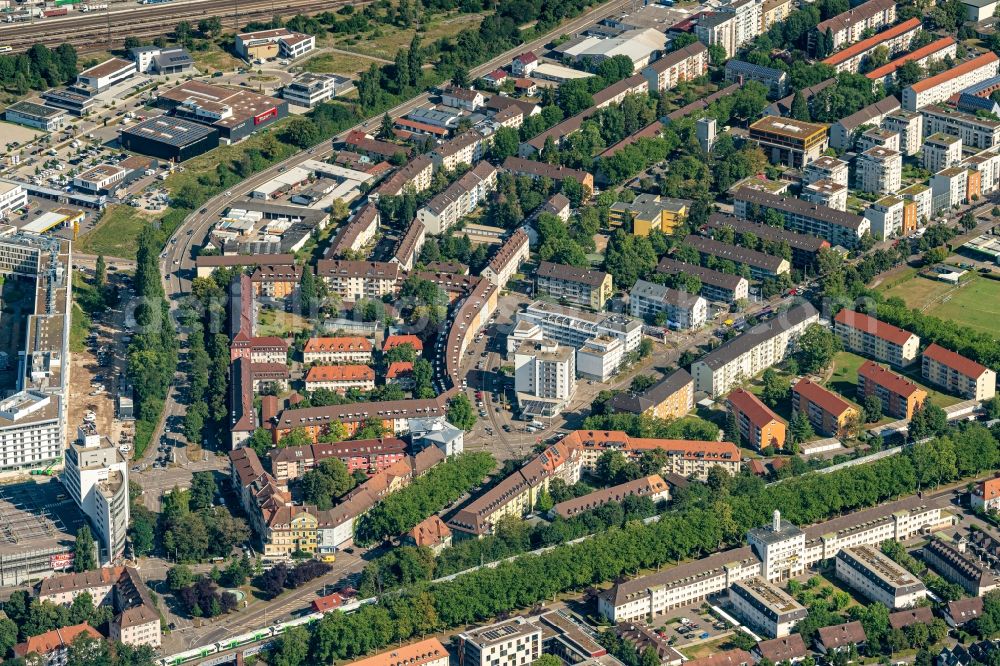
<point>974,303</point>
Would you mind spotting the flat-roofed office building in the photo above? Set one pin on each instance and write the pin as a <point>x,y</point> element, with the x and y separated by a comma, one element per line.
<point>877,577</point>
<point>766,607</point>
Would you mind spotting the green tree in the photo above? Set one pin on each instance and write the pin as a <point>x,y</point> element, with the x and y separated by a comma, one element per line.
<point>800,107</point>
<point>179,577</point>
<point>292,648</point>
<point>101,273</point>
<point>203,490</point>
<point>328,481</point>
<point>816,348</point>
<point>873,408</point>
<point>387,129</point>
<point>300,132</point>
<point>210,27</point>
<point>8,635</point>
<point>776,388</point>
<point>732,428</point>
<point>544,502</point>
<point>84,550</point>
<point>799,428</point>
<point>461,413</point>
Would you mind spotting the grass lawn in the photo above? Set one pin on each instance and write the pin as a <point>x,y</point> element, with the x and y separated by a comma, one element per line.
<point>115,233</point>
<point>845,380</point>
<point>79,330</point>
<point>337,63</point>
<point>974,303</point>
<point>386,40</point>
<point>215,58</point>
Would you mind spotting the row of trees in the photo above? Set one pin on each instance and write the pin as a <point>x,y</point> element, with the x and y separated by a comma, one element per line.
<point>38,68</point>
<point>280,576</point>
<point>425,496</point>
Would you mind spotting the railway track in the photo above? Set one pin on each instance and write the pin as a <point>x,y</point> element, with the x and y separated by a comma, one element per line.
<point>105,30</point>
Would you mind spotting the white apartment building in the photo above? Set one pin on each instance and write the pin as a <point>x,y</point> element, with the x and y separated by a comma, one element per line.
<point>826,168</point>
<point>836,226</point>
<point>355,280</point>
<point>747,19</point>
<point>949,188</point>
<point>848,27</point>
<point>974,131</point>
<point>31,430</point>
<point>717,28</point>
<point>987,165</point>
<point>545,372</point>
<point>684,64</point>
<point>920,195</point>
<point>96,477</point>
<point>462,98</point>
<point>459,199</point>
<point>765,607</point>
<point>879,578</point>
<point>886,217</point>
<point>942,86</point>
<point>876,339</point>
<point>909,125</point>
<point>941,151</point>
<point>752,352</point>
<point>683,311</point>
<point>826,193</point>
<point>600,357</point>
<point>12,197</point>
<point>880,170</point>
<point>508,259</point>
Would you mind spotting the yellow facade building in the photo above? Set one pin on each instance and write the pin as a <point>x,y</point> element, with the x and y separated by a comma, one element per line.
<point>648,212</point>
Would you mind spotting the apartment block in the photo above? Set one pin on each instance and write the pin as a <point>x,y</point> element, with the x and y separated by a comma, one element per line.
<point>825,193</point>
<point>909,125</point>
<point>986,495</point>
<point>652,486</point>
<point>366,455</point>
<point>428,652</point>
<point>460,198</point>
<point>681,310</point>
<point>586,288</point>
<point>353,281</point>
<point>987,165</point>
<point>957,374</point>
<point>950,82</point>
<point>894,40</point>
<point>775,80</point>
<point>884,342</point>
<point>761,265</point>
<point>715,285</point>
<point>826,168</point>
<point>506,261</point>
<point>340,378</point>
<point>955,565</point>
<point>344,349</point>
<point>880,170</point>
<point>887,217</point>
<point>648,212</point>
<point>788,141</point>
<point>844,132</point>
<point>717,29</point>
<point>848,27</point>
<point>919,195</point>
<point>974,131</point>
<point>941,151</point>
<point>899,396</point>
<point>829,414</point>
<point>805,249</point>
<point>879,578</point>
<point>945,47</point>
<point>544,376</point>
<point>670,398</point>
<point>760,428</point>
<point>765,607</point>
<point>838,227</point>
<point>752,352</point>
<point>876,137</point>
<point>684,64</point>
<point>952,187</point>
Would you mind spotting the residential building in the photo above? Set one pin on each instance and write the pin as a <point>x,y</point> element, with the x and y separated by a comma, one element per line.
<point>987,165</point>
<point>652,486</point>
<point>751,352</point>
<point>944,47</point>
<point>879,578</point>
<point>35,114</point>
<point>986,495</point>
<point>805,249</point>
<point>879,170</point>
<point>514,642</point>
<point>828,413</point>
<point>52,647</point>
<point>775,80</point>
<point>957,374</point>
<point>276,280</point>
<point>789,648</point>
<point>825,193</point>
<point>345,349</point>
<point>765,607</point>
<point>760,428</point>
<point>370,456</point>
<point>400,373</point>
<point>762,266</point>
<point>670,398</point>
<point>353,281</point>
<point>558,205</point>
<point>680,310</point>
<point>426,432</point>
<point>909,126</point>
<point>974,131</point>
<point>950,82</point>
<point>791,142</point>
<point>428,652</point>
<point>535,170</point>
<point>960,612</point>
<point>96,477</point>
<point>843,133</point>
<point>826,168</point>
<point>899,396</point>
<point>919,195</point>
<point>775,11</point>
<point>586,288</point>
<point>648,212</point>
<point>687,458</point>
<point>309,89</point>
<point>372,148</point>
<point>866,335</point>
<point>717,29</point>
<point>466,148</point>
<point>941,151</point>
<point>887,216</point>
<point>544,377</point>
<point>410,245</point>
<point>393,414</point>
<point>953,187</point>
<point>684,64</point>
<point>955,565</point>
<point>838,227</point>
<point>340,378</point>
<point>460,198</point>
<point>267,44</point>
<point>911,616</point>
<point>507,260</point>
<point>524,64</point>
<point>715,286</point>
<point>876,137</point>
<point>393,341</point>
<point>841,638</point>
<point>894,40</point>
<point>431,533</point>
<point>848,27</point>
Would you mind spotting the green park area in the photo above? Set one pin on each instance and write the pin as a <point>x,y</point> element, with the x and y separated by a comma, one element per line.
<point>974,302</point>
<point>115,233</point>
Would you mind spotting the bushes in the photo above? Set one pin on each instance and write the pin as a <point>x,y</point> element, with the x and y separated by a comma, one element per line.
<point>278,577</point>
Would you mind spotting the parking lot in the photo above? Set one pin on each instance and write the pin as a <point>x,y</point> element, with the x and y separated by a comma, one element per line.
<point>693,629</point>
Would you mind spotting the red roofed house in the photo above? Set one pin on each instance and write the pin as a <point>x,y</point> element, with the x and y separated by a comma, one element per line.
<point>828,413</point>
<point>347,349</point>
<point>427,652</point>
<point>760,427</point>
<point>340,378</point>
<point>840,638</point>
<point>525,87</point>
<point>900,397</point>
<point>401,373</point>
<point>327,603</point>
<point>51,646</point>
<point>884,342</point>
<point>524,64</point>
<point>727,658</point>
<point>393,341</point>
<point>957,374</point>
<point>986,495</point>
<point>496,78</point>
<point>431,533</point>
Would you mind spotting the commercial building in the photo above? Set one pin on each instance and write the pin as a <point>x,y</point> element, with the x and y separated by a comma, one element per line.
<point>838,227</point>
<point>437,432</point>
<point>171,139</point>
<point>766,607</point>
<point>684,64</point>
<point>309,89</point>
<point>775,80</point>
<point>941,151</point>
<point>895,40</point>
<point>12,197</point>
<point>100,179</point>
<point>370,456</point>
<point>514,642</point>
<point>791,142</point>
<point>828,413</point>
<point>715,285</point>
<point>762,266</point>
<point>879,578</point>
<point>507,259</point>
<point>973,130</point>
<point>101,77</point>
<point>652,486</point>
<point>96,477</point>
<point>805,249</point>
<point>680,310</point>
<point>866,335</point>
<point>267,44</point>
<point>586,288</point>
<point>649,212</point>
<point>880,170</point>
<point>955,565</point>
<point>236,114</point>
<point>760,428</point>
<point>343,349</point>
<point>544,377</point>
<point>848,27</point>
<point>944,47</point>
<point>752,352</point>
<point>826,168</point>
<point>460,198</point>
<point>986,495</point>
<point>641,45</point>
<point>670,398</point>
<point>950,82</point>
<point>340,378</point>
<point>957,374</point>
<point>35,114</point>
<point>156,60</point>
<point>899,396</point>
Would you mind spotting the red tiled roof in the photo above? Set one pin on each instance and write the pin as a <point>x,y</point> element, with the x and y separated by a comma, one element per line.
<point>879,329</point>
<point>747,403</point>
<point>990,488</point>
<point>339,373</point>
<point>886,378</point>
<point>43,644</point>
<point>341,344</point>
<point>957,70</point>
<point>922,52</point>
<point>430,532</point>
<point>824,399</point>
<point>327,603</point>
<point>393,341</point>
<point>957,362</point>
<point>872,42</point>
<point>398,368</point>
